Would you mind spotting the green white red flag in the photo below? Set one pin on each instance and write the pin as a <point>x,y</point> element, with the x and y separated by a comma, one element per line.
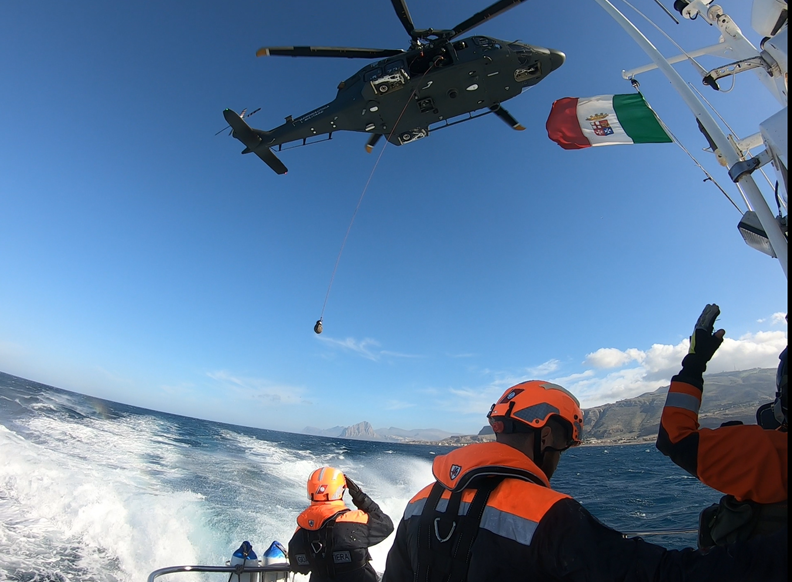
<point>577,123</point>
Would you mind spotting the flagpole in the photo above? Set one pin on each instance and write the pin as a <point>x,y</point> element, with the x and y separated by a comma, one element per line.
<point>728,151</point>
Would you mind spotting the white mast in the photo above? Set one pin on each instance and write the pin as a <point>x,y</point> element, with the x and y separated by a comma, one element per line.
<point>739,168</point>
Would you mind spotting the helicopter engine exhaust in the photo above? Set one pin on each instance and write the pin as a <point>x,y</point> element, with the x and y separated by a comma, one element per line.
<point>253,141</point>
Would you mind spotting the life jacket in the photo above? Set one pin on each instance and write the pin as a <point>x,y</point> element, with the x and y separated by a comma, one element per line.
<point>317,523</point>
<point>730,521</point>
<point>457,503</point>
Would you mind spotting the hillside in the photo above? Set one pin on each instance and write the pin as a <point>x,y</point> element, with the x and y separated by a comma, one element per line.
<point>727,396</point>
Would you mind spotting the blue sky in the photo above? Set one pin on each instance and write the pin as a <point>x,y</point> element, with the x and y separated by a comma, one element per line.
<point>143,260</point>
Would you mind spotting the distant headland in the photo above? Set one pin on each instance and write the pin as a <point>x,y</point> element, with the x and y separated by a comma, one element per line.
<point>727,396</point>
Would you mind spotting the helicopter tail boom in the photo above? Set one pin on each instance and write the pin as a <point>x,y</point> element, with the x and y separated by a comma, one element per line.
<point>253,141</point>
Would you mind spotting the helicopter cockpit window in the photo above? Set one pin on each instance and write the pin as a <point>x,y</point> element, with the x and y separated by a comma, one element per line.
<point>486,43</point>
<point>395,67</point>
<point>373,74</point>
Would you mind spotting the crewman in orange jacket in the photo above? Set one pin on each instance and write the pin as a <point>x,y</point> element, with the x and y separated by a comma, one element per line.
<point>491,516</point>
<point>749,463</point>
<point>331,542</point>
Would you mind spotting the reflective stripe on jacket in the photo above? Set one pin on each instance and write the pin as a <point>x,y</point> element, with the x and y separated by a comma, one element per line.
<point>528,531</point>
<point>746,461</point>
<point>331,542</point>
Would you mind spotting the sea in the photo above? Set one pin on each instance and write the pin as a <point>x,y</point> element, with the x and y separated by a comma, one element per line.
<point>93,490</point>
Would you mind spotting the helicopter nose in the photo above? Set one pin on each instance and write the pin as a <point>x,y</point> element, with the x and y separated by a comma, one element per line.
<point>557,59</point>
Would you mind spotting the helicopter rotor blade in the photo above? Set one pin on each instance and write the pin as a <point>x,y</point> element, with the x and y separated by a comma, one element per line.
<point>222,130</point>
<point>252,113</point>
<point>491,11</point>
<point>400,6</point>
<point>507,117</point>
<point>326,51</point>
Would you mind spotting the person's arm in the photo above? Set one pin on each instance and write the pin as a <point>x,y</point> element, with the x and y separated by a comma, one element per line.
<point>398,566</point>
<point>380,526</point>
<point>298,560</point>
<point>570,544</point>
<point>745,461</point>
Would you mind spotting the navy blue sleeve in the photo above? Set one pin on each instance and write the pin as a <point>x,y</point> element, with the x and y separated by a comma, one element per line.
<point>572,545</point>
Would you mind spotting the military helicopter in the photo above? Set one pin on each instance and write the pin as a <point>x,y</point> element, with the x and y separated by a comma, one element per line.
<point>436,83</point>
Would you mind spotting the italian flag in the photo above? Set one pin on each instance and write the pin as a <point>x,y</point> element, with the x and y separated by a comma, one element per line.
<point>603,120</point>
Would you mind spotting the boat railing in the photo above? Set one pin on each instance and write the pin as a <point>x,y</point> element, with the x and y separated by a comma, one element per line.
<point>239,570</point>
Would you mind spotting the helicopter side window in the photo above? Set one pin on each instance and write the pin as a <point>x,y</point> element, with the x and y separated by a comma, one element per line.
<point>373,74</point>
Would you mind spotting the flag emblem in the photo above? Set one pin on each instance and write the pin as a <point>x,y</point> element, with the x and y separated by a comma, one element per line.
<point>599,124</point>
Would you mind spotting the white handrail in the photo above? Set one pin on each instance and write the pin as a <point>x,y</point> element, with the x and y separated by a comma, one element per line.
<point>727,149</point>
<point>284,567</point>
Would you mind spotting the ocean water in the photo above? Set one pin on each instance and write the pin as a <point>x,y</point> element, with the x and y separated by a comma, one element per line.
<point>93,490</point>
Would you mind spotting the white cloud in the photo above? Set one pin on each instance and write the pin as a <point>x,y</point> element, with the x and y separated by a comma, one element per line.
<point>779,318</point>
<point>543,370</point>
<point>365,348</point>
<point>398,405</point>
<point>612,358</point>
<point>660,362</point>
<point>257,389</point>
<point>610,374</point>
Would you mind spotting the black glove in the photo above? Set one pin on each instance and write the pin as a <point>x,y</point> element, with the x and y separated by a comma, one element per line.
<point>703,345</point>
<point>360,499</point>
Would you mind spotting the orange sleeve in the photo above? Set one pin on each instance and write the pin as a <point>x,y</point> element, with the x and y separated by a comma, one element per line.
<point>745,461</point>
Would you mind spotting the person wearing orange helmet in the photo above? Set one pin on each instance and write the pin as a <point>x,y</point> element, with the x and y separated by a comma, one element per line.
<point>331,541</point>
<point>491,515</point>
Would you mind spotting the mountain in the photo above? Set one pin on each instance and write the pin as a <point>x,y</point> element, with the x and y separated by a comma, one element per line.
<point>362,431</point>
<point>325,432</point>
<point>418,434</point>
<point>727,396</point>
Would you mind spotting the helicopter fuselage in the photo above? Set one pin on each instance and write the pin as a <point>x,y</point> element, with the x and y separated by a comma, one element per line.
<point>401,96</point>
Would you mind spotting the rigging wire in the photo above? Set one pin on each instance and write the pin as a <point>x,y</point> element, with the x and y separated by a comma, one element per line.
<point>318,325</point>
<point>666,10</point>
<point>701,69</point>
<point>726,123</point>
<point>709,177</point>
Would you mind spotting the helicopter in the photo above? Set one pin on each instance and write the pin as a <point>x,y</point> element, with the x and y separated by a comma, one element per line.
<point>436,83</point>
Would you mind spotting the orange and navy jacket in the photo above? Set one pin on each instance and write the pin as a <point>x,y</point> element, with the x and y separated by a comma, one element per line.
<point>343,555</point>
<point>527,531</point>
<point>746,461</point>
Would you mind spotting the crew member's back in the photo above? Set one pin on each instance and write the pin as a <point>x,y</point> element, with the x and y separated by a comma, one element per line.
<point>331,541</point>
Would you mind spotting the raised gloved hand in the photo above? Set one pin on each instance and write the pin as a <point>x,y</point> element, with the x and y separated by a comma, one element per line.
<point>360,499</point>
<point>703,345</point>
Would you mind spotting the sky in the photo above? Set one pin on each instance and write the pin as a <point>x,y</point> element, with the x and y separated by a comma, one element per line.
<point>144,260</point>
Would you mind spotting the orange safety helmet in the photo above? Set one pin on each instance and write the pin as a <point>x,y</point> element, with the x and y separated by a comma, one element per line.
<point>326,484</point>
<point>531,404</point>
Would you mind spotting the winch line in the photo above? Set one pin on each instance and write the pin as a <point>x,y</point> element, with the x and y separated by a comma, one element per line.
<point>362,194</point>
